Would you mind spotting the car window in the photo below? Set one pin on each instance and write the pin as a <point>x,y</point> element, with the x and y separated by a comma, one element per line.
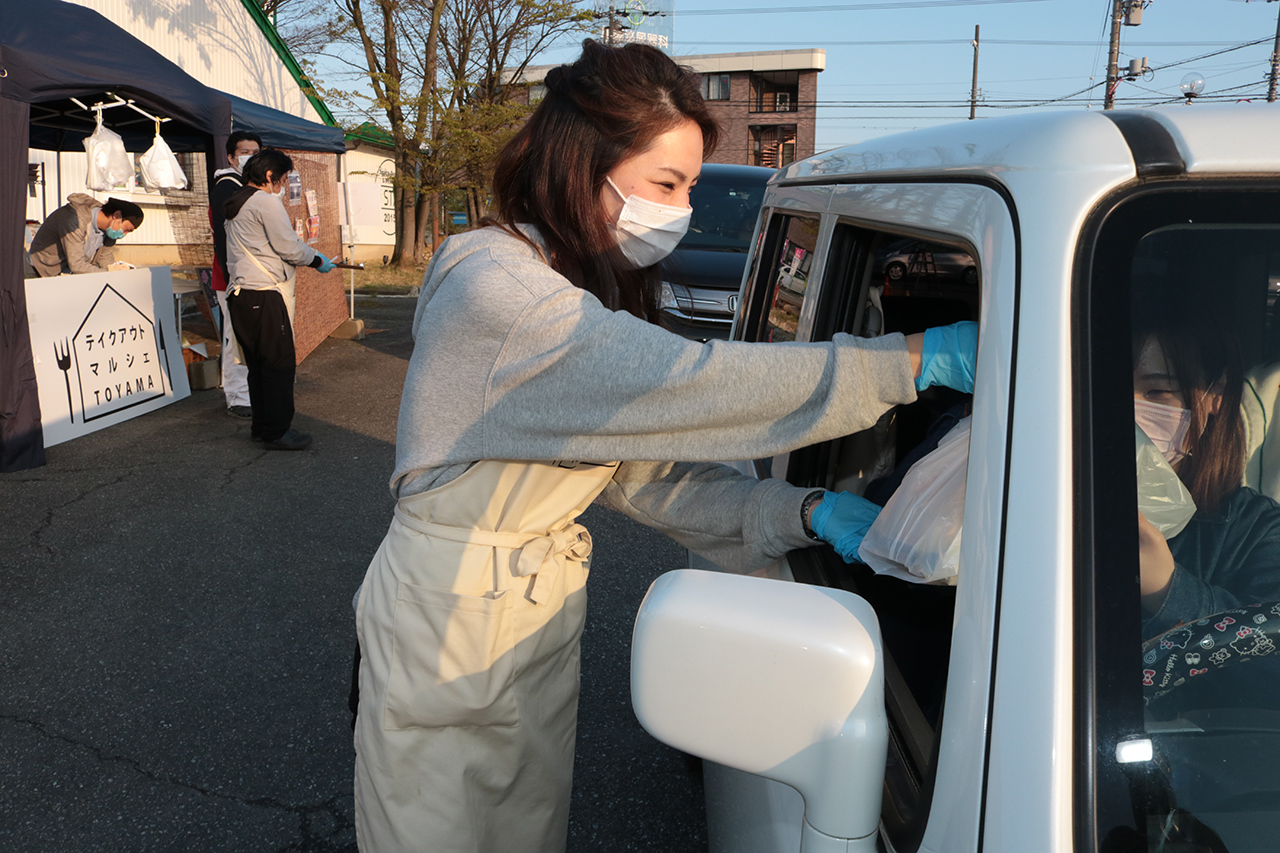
<point>915,618</point>
<point>725,209</point>
<point>1182,565</point>
<point>784,268</point>
<point>910,262</point>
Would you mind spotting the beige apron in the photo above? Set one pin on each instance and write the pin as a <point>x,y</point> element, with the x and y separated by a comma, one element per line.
<point>285,287</point>
<point>469,620</point>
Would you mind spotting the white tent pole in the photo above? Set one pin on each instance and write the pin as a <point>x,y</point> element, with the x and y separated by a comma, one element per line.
<point>351,230</point>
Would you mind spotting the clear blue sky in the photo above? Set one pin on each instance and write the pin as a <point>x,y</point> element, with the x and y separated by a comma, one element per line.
<point>884,55</point>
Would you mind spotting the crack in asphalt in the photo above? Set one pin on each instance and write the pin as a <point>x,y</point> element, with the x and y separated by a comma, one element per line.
<point>322,827</point>
<point>229,474</point>
<point>37,535</point>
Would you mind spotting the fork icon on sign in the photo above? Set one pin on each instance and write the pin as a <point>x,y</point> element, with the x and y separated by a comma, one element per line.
<point>63,354</point>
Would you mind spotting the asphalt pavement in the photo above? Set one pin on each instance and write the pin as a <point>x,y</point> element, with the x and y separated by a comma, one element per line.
<point>176,631</point>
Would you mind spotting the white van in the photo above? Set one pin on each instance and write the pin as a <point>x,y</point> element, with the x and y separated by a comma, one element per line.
<point>1045,701</point>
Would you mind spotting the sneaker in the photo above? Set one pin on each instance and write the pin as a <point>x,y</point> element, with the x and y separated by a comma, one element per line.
<point>291,440</point>
<point>244,413</point>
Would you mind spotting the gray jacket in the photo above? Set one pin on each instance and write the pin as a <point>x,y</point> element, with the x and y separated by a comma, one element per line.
<point>513,362</point>
<point>58,246</point>
<point>262,228</point>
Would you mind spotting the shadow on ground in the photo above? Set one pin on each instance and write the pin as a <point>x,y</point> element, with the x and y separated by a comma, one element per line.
<point>176,631</point>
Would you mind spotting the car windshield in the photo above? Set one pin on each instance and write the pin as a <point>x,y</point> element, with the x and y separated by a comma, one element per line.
<point>725,208</point>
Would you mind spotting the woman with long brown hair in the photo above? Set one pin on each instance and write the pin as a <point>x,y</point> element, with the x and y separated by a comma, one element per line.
<point>538,382</point>
<point>1187,383</point>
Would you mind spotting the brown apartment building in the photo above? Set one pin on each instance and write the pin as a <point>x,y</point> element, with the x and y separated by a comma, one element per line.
<point>764,100</point>
<point>765,103</point>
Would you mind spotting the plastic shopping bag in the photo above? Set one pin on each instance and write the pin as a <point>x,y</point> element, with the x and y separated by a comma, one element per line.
<point>917,535</point>
<point>160,169</point>
<point>1162,497</point>
<point>109,164</point>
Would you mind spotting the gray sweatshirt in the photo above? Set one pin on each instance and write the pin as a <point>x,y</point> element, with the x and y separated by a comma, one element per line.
<point>262,227</point>
<point>513,362</point>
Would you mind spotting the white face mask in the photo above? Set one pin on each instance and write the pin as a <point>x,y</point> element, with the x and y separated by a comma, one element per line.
<point>1166,426</point>
<point>647,231</point>
<point>241,160</point>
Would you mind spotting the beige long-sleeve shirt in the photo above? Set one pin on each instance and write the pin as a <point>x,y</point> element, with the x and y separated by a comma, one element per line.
<point>514,362</point>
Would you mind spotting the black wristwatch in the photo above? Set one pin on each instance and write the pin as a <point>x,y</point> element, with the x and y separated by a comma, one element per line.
<point>805,505</point>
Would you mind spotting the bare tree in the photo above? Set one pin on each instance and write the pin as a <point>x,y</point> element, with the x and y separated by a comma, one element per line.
<point>486,46</point>
<point>390,42</point>
<point>305,25</point>
<point>437,75</point>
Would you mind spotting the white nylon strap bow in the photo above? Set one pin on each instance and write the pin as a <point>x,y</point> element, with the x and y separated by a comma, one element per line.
<point>545,555</point>
<point>542,556</point>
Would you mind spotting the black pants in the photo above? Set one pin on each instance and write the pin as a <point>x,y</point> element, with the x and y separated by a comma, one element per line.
<point>261,323</point>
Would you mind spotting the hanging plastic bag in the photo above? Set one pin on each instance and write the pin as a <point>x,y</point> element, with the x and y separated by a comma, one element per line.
<point>160,169</point>
<point>1162,497</point>
<point>916,537</point>
<point>109,164</point>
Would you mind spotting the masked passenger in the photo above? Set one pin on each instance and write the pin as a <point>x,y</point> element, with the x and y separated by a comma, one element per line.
<point>538,382</point>
<point>1187,383</point>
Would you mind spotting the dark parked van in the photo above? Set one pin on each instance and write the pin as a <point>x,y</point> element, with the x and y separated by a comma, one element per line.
<point>700,279</point>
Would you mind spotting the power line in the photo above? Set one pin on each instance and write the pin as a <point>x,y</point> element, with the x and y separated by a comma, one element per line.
<point>1070,99</point>
<point>967,42</point>
<point>1207,55</point>
<point>851,7</point>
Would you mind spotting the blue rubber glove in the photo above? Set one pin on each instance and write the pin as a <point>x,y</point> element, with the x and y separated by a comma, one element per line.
<point>327,266</point>
<point>843,519</point>
<point>948,357</point>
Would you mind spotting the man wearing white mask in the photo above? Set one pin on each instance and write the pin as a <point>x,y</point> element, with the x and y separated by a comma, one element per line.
<point>263,253</point>
<point>241,145</point>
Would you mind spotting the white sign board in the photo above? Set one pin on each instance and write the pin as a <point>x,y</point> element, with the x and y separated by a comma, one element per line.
<point>372,212</point>
<point>106,349</point>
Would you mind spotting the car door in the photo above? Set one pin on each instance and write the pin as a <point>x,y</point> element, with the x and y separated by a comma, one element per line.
<point>813,277</point>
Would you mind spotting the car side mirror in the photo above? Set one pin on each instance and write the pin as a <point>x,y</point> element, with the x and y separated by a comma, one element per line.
<point>779,679</point>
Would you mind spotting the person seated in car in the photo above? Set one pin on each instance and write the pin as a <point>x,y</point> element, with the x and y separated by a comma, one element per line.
<point>1187,384</point>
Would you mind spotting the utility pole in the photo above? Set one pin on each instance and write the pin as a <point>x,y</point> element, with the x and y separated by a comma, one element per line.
<point>1113,56</point>
<point>611,32</point>
<point>973,90</point>
<point>1275,64</point>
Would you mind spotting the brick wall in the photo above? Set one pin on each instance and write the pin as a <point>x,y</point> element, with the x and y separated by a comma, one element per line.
<point>322,303</point>
<point>806,118</point>
<point>189,213</point>
<point>736,119</point>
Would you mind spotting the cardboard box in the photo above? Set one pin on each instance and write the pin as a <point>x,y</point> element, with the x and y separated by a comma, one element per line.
<point>204,374</point>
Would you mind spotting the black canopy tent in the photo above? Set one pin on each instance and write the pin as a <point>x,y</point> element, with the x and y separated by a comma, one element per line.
<point>63,125</point>
<point>57,61</point>
<point>282,130</point>
<point>53,54</point>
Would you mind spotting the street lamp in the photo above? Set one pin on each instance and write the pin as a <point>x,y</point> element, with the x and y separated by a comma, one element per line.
<point>1192,85</point>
